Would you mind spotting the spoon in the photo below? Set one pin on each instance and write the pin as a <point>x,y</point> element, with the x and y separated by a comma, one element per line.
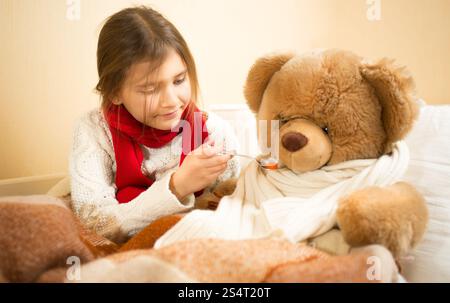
<point>266,163</point>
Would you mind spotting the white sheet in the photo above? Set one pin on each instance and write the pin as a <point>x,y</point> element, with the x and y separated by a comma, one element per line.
<point>429,171</point>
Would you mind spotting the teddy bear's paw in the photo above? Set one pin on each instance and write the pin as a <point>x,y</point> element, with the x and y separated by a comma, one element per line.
<point>225,188</point>
<point>381,264</point>
<point>210,200</point>
<point>393,216</point>
<point>207,201</point>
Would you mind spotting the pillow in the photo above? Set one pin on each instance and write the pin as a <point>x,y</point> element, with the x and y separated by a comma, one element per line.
<point>429,172</point>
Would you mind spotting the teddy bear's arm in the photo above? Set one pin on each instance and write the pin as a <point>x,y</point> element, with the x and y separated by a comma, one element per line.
<point>210,200</point>
<point>393,216</point>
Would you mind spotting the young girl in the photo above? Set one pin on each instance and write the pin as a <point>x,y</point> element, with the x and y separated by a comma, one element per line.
<point>148,151</point>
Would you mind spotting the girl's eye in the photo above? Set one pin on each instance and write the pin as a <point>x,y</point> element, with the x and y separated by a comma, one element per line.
<point>179,81</point>
<point>148,91</point>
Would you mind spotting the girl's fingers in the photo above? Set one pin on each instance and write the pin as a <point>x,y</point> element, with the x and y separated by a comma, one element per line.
<point>205,151</point>
<point>210,141</point>
<point>217,169</point>
<point>208,149</point>
<point>216,161</point>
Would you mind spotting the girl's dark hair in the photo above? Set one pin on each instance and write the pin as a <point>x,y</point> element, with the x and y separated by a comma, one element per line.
<point>132,35</point>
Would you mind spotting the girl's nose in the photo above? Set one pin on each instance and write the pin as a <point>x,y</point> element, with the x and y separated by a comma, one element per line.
<point>168,98</point>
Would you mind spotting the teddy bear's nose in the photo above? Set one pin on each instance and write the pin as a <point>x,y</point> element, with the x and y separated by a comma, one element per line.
<point>294,141</point>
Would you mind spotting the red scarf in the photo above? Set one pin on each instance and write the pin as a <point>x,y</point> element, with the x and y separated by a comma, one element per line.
<point>127,136</point>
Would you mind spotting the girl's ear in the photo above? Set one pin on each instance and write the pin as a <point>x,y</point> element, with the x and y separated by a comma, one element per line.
<point>394,88</point>
<point>116,101</point>
<point>259,76</point>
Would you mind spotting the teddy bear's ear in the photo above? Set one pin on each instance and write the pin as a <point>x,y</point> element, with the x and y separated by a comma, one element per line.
<point>259,76</point>
<point>394,87</point>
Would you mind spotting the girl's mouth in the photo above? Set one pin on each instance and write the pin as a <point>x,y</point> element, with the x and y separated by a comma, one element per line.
<point>170,115</point>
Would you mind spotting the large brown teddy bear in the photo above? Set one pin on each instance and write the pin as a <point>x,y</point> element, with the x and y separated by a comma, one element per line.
<point>335,107</point>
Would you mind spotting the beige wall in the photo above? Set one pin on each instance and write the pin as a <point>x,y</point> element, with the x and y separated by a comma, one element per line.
<point>415,32</point>
<point>48,64</point>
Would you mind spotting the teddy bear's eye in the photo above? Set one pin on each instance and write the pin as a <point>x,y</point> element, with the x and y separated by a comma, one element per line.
<point>282,119</point>
<point>325,129</point>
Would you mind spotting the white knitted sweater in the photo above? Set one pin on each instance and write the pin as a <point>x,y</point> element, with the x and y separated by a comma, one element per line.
<point>92,171</point>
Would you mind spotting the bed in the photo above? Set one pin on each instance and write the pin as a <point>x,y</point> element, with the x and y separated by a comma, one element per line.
<point>429,172</point>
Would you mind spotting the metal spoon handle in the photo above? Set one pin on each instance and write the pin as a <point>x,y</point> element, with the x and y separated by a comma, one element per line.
<point>246,156</point>
<point>236,154</point>
<point>265,166</point>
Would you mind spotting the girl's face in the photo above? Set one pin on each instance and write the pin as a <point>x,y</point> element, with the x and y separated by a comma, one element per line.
<point>157,99</point>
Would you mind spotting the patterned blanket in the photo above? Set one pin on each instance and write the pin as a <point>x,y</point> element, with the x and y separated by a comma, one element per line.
<point>42,241</point>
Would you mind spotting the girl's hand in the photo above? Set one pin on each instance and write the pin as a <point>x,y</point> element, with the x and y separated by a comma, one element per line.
<point>199,169</point>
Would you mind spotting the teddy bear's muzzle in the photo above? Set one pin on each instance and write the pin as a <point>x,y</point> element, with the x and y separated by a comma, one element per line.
<point>304,146</point>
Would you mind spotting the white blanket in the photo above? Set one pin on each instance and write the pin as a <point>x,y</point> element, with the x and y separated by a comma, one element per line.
<point>283,203</point>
